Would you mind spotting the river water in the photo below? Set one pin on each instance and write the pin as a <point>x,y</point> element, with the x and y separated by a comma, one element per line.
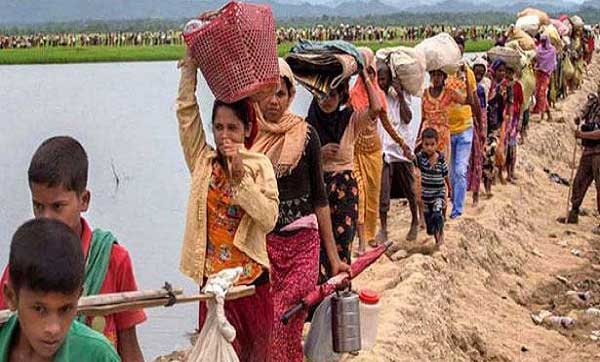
<point>123,114</point>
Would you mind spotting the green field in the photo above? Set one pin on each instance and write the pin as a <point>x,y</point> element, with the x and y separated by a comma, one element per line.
<point>98,54</point>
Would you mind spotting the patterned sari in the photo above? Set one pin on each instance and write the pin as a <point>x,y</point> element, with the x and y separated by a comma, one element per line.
<point>475,170</point>
<point>435,115</point>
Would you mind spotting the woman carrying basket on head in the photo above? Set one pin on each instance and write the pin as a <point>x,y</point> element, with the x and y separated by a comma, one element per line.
<point>304,221</point>
<point>233,205</point>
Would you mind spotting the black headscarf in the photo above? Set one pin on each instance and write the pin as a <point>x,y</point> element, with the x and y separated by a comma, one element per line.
<point>329,126</point>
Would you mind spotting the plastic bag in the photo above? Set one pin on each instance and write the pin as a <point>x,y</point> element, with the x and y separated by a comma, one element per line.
<point>568,69</point>
<point>214,341</point>
<point>217,334</point>
<point>318,346</point>
<point>408,65</point>
<point>441,53</point>
<point>529,24</point>
<point>528,82</point>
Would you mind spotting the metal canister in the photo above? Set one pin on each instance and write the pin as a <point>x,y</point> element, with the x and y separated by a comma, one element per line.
<point>345,314</point>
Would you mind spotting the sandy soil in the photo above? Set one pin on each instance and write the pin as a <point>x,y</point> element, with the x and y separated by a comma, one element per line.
<point>502,262</point>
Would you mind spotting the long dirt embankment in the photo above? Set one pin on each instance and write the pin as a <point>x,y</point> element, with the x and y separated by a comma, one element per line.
<point>503,261</point>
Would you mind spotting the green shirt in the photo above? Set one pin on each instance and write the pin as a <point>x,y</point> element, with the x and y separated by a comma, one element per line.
<point>81,344</point>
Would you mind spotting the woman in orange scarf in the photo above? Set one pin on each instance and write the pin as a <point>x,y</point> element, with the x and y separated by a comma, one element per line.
<point>304,217</point>
<point>368,155</point>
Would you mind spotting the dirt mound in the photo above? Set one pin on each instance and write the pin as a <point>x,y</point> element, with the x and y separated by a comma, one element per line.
<point>502,262</point>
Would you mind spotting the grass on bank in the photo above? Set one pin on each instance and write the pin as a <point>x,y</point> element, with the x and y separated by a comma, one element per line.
<point>100,54</point>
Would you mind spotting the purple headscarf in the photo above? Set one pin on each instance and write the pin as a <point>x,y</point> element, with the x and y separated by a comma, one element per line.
<point>546,56</point>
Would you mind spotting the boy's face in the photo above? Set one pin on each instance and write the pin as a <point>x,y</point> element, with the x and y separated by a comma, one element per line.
<point>429,146</point>
<point>44,318</point>
<point>59,204</point>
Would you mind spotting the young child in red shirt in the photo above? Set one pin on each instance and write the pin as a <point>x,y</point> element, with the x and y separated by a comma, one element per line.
<point>57,176</point>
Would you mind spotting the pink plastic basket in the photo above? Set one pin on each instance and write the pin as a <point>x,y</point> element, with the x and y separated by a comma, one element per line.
<point>236,50</point>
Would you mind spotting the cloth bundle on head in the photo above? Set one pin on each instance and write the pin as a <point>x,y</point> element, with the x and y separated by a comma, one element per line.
<point>441,53</point>
<point>282,141</point>
<point>480,61</point>
<point>359,97</point>
<point>486,82</point>
<point>323,66</point>
<point>407,65</point>
<point>510,56</point>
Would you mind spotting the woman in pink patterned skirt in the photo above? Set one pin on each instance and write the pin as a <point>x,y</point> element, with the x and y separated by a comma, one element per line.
<point>304,217</point>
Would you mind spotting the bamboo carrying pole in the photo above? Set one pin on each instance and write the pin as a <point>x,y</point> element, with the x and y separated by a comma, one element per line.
<point>105,304</point>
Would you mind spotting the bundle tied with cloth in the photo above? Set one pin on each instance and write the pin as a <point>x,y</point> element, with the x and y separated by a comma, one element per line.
<point>407,65</point>
<point>519,36</point>
<point>323,66</point>
<point>508,55</point>
<point>441,53</point>
<point>527,78</point>
<point>542,16</point>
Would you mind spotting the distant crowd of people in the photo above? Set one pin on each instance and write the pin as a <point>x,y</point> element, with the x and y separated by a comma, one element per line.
<point>113,39</point>
<point>377,33</point>
<point>290,34</point>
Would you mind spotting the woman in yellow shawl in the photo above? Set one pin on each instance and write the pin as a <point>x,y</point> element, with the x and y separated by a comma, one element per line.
<point>368,155</point>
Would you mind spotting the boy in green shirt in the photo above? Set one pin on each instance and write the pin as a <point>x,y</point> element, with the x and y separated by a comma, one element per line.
<point>46,268</point>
